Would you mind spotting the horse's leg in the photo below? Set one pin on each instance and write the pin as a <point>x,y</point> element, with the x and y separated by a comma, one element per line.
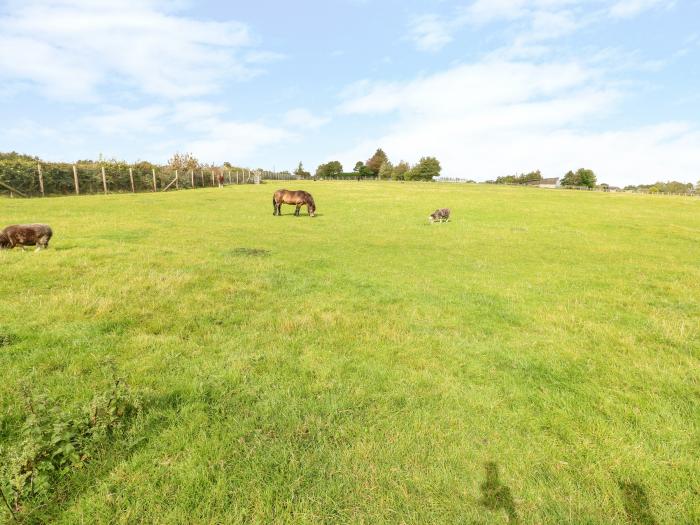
<point>296,212</point>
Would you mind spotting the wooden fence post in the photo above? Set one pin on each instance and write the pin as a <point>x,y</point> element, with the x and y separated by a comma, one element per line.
<point>192,177</point>
<point>212,178</point>
<point>104,180</point>
<point>177,181</point>
<point>236,176</point>
<point>201,176</point>
<point>131,179</point>
<point>75,180</point>
<point>41,179</point>
<point>153,171</point>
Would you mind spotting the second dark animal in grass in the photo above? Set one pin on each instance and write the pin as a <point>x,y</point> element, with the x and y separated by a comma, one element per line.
<point>297,198</point>
<point>441,215</point>
<point>23,235</point>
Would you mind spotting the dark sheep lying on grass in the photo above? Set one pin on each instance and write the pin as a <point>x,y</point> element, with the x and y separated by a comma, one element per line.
<point>23,235</point>
<point>441,215</point>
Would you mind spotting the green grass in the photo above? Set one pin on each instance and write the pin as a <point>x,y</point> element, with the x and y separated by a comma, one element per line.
<point>534,360</point>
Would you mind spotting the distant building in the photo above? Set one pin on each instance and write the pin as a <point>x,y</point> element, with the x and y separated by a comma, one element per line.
<point>545,183</point>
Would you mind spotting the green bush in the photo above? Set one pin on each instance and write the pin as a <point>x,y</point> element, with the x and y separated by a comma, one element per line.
<point>54,441</point>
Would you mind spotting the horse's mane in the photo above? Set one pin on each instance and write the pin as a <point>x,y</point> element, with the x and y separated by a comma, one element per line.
<point>310,199</point>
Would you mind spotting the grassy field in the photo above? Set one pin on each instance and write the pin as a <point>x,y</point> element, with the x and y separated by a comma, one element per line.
<point>536,360</point>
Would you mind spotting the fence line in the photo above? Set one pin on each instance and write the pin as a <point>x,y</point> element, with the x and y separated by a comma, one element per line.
<point>79,179</point>
<point>63,179</point>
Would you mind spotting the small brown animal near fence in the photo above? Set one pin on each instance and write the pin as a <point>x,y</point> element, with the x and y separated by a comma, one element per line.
<point>23,235</point>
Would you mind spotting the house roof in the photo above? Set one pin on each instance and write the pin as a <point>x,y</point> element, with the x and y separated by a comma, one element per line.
<point>552,180</point>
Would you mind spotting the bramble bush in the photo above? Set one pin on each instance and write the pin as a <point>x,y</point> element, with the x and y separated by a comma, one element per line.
<point>55,441</point>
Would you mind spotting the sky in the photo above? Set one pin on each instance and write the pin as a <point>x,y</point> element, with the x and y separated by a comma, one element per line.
<point>489,87</point>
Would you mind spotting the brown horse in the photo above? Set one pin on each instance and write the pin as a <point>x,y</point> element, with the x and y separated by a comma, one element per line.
<point>298,198</point>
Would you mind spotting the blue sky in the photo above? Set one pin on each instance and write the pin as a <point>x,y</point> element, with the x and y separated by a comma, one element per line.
<point>489,87</point>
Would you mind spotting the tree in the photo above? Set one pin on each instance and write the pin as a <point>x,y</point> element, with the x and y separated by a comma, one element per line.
<point>400,170</point>
<point>301,173</point>
<point>362,170</point>
<point>582,177</point>
<point>374,164</point>
<point>670,186</point>
<point>183,162</point>
<point>329,169</point>
<point>569,179</point>
<point>426,169</point>
<point>587,177</point>
<point>386,170</point>
<point>523,178</point>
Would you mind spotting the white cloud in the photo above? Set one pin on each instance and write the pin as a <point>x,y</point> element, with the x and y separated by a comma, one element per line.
<point>236,141</point>
<point>202,128</point>
<point>430,32</point>
<point>629,8</point>
<point>498,117</point>
<point>532,21</point>
<point>112,54</point>
<point>69,49</point>
<point>485,11</point>
<point>124,121</point>
<point>304,119</point>
<point>466,88</point>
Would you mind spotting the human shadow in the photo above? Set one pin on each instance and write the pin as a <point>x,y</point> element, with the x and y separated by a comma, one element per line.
<point>636,503</point>
<point>497,496</point>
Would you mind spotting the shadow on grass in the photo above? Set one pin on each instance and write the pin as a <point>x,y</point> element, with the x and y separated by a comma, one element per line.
<point>497,496</point>
<point>636,503</point>
<point>250,252</point>
<point>302,214</point>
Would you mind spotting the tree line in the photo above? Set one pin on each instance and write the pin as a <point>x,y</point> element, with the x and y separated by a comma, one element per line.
<point>378,166</point>
<point>523,178</point>
<point>586,178</point>
<point>580,178</point>
<point>671,186</point>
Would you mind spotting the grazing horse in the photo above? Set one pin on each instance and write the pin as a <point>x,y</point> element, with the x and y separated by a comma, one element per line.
<point>298,198</point>
<point>23,235</point>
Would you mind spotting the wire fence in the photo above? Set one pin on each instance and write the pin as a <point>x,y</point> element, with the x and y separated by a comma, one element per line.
<point>42,179</point>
